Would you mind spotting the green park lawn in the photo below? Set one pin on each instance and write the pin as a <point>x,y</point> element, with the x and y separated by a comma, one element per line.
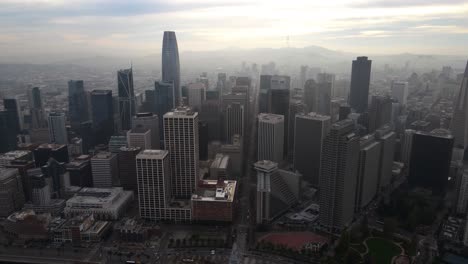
<point>382,250</point>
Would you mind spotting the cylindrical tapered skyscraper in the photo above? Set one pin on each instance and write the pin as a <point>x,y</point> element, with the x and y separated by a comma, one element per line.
<point>170,63</point>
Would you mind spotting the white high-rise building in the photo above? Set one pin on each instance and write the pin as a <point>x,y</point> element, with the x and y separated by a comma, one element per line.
<point>105,170</point>
<point>196,95</point>
<point>400,91</point>
<point>459,126</point>
<point>181,140</point>
<point>270,137</point>
<point>139,137</point>
<point>154,183</point>
<point>57,128</point>
<point>148,121</point>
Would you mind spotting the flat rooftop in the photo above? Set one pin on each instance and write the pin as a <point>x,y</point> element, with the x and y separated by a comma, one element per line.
<point>15,154</point>
<point>96,195</point>
<point>7,173</point>
<point>152,154</point>
<point>212,190</point>
<point>270,117</point>
<point>313,116</point>
<point>221,161</point>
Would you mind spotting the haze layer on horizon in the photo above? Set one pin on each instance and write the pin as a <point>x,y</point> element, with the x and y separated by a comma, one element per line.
<point>123,27</point>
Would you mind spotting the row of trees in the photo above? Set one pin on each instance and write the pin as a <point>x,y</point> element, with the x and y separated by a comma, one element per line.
<point>304,254</point>
<point>197,242</point>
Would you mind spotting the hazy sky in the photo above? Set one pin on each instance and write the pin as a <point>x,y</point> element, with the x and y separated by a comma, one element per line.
<point>135,26</point>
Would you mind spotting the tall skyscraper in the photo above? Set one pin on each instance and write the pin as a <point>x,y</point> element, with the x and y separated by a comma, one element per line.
<point>196,95</point>
<point>431,154</point>
<point>79,171</point>
<point>303,76</point>
<point>270,137</point>
<point>170,64</point>
<point>279,101</point>
<point>234,120</point>
<point>139,137</point>
<point>221,84</point>
<point>55,170</point>
<point>57,129</point>
<point>126,97</point>
<point>35,108</point>
<point>380,112</point>
<point>77,103</point>
<point>462,190</point>
<point>105,170</point>
<point>235,112</point>
<point>406,144</point>
<point>265,86</point>
<point>165,102</point>
<point>103,115</point>
<point>154,183</point>
<point>324,96</point>
<point>8,131</point>
<point>367,181</point>
<point>400,91</point>
<point>295,107</point>
<point>387,139</point>
<point>127,168</point>
<point>46,151</point>
<point>338,176</point>
<point>148,121</point>
<point>459,125</point>
<point>181,140</point>
<point>310,95</point>
<point>11,105</point>
<point>311,130</point>
<point>211,114</point>
<point>11,192</point>
<point>360,81</point>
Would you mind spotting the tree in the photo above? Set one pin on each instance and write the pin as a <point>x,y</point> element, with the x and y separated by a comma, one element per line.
<point>390,226</point>
<point>343,244</point>
<point>365,227</point>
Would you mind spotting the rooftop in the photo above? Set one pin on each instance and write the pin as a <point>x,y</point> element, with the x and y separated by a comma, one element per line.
<point>103,155</point>
<point>51,146</point>
<point>313,116</point>
<point>220,161</point>
<point>265,165</point>
<point>214,190</point>
<point>15,154</point>
<point>270,117</point>
<point>181,111</point>
<point>97,196</point>
<point>7,173</point>
<point>152,154</point>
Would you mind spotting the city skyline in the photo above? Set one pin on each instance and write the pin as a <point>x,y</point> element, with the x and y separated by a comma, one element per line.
<point>118,27</point>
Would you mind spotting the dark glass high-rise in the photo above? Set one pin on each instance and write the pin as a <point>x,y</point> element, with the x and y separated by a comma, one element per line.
<point>103,115</point>
<point>126,97</point>
<point>360,80</point>
<point>77,103</point>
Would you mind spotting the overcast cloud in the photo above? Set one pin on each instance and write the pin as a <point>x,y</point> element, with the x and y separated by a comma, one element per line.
<point>135,27</point>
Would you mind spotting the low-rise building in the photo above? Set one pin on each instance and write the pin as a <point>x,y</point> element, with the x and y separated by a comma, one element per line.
<point>214,201</point>
<point>103,203</point>
<point>26,225</point>
<point>82,228</point>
